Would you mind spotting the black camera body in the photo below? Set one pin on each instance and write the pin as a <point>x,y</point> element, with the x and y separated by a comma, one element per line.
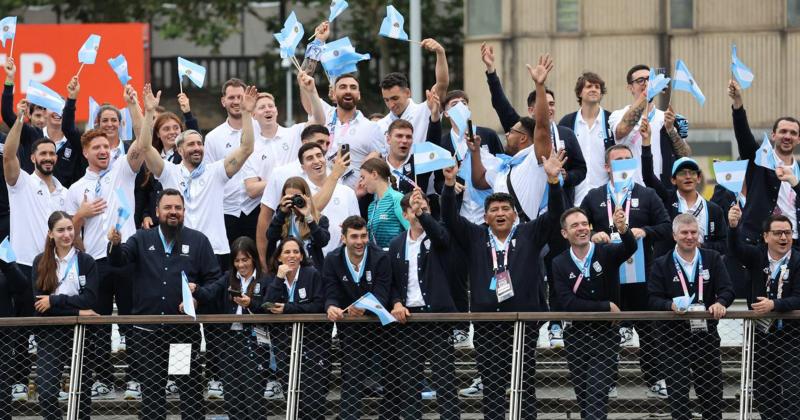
<point>298,201</point>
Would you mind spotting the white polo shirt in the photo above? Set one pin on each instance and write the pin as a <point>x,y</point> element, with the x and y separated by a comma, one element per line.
<point>219,143</point>
<point>272,193</point>
<point>418,114</point>
<point>31,203</point>
<point>343,204</point>
<point>363,136</point>
<point>592,142</point>
<point>414,297</point>
<point>634,140</point>
<point>204,203</point>
<point>95,229</point>
<point>529,181</point>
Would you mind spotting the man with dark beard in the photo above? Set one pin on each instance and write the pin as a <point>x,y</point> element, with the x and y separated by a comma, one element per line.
<point>159,258</point>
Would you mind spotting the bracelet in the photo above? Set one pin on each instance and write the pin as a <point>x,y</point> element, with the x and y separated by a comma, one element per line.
<point>309,219</point>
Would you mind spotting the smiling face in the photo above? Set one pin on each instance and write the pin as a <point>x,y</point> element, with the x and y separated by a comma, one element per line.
<point>266,112</point>
<point>53,119</point>
<point>779,237</point>
<point>576,229</point>
<point>396,99</point>
<point>63,233</point>
<point>400,142</point>
<point>686,180</point>
<point>356,240</point>
<point>232,101</point>
<point>109,124</point>
<point>290,255</point>
<point>786,136</point>
<point>591,93</point>
<point>168,132</point>
<point>44,158</point>
<point>98,154</point>
<point>314,163</point>
<point>192,150</point>
<point>170,211</point>
<point>500,216</point>
<point>686,236</point>
<point>244,264</point>
<point>347,93</point>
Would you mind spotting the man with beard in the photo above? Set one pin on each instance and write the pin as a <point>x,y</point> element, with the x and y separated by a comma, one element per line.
<point>31,198</point>
<point>60,128</point>
<point>159,258</point>
<point>203,182</point>
<point>348,125</point>
<point>94,201</point>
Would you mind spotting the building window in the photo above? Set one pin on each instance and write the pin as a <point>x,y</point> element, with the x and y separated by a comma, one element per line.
<point>567,12</point>
<point>681,14</point>
<point>793,13</point>
<point>484,17</point>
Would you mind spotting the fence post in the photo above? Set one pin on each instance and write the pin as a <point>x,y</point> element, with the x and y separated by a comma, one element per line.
<point>517,362</point>
<point>293,395</point>
<point>746,387</point>
<point>75,368</point>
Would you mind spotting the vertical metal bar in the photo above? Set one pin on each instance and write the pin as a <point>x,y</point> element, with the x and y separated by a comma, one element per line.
<point>75,369</point>
<point>746,386</point>
<point>296,354</point>
<point>517,360</point>
<point>415,51</point>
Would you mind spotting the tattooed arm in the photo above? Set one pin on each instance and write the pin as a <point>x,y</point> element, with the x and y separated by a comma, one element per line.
<point>631,117</point>
<point>237,158</point>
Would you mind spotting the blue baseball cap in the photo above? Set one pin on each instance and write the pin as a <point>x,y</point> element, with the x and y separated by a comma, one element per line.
<point>685,162</point>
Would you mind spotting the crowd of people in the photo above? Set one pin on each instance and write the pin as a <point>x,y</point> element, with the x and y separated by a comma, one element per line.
<point>262,218</point>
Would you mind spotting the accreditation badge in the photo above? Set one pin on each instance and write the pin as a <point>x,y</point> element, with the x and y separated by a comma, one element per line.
<point>698,325</point>
<point>505,290</point>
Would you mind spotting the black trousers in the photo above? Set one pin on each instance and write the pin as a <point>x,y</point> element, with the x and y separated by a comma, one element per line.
<point>692,358</point>
<point>593,359</point>
<point>492,343</point>
<point>240,376</point>
<point>242,225</point>
<point>635,298</point>
<point>412,345</point>
<point>22,361</point>
<point>7,342</point>
<point>55,352</point>
<point>315,369</point>
<point>152,348</point>
<point>776,374</point>
<point>359,343</point>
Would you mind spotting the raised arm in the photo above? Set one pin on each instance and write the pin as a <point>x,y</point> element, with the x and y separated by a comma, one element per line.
<point>10,160</point>
<point>457,225</point>
<point>541,134</point>
<point>502,106</point>
<point>680,147</point>
<point>477,169</point>
<point>309,90</point>
<point>132,103</point>
<point>631,117</point>
<point>144,139</point>
<point>340,165</point>
<point>648,175</point>
<point>186,108</point>
<point>7,107</point>
<point>442,72</point>
<point>237,158</point>
<point>741,127</point>
<point>311,59</point>
<point>68,127</point>
<point>749,255</point>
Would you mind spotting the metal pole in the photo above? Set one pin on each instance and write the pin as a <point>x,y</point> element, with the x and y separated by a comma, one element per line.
<point>289,98</point>
<point>75,369</point>
<point>517,360</point>
<point>415,58</point>
<point>293,397</point>
<point>746,386</point>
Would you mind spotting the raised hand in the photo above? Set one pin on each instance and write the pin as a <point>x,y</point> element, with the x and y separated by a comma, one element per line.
<point>669,118</point>
<point>22,109</point>
<point>734,216</point>
<point>73,88</point>
<point>487,55</point>
<point>554,163</point>
<point>249,99</point>
<point>183,102</point>
<point>735,93</point>
<point>434,104</point>
<point>306,82</point>
<point>432,45</point>
<point>129,95</point>
<point>150,101</point>
<point>450,175</point>
<point>542,69</point>
<point>644,131</point>
<point>11,69</point>
<point>786,174</point>
<point>323,31</point>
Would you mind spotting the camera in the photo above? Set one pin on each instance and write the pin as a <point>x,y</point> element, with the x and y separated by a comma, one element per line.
<point>298,201</point>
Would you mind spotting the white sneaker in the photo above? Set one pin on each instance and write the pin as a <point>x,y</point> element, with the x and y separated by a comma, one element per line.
<point>172,389</point>
<point>556,336</point>
<point>102,391</point>
<point>462,339</point>
<point>63,395</point>
<point>121,346</point>
<point>32,346</point>
<point>215,391</point>
<point>612,392</point>
<point>274,391</point>
<point>19,392</point>
<point>133,391</point>
<point>658,390</point>
<point>428,394</point>
<point>475,390</point>
<point>626,336</point>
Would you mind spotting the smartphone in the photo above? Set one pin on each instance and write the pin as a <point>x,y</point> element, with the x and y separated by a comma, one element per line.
<point>234,293</point>
<point>267,305</point>
<point>345,149</point>
<point>470,131</point>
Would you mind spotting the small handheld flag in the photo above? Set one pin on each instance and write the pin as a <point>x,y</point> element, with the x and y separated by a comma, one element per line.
<point>188,302</point>
<point>6,252</point>
<point>622,171</point>
<point>459,114</point>
<point>371,303</point>
<point>88,52</point>
<point>195,72</point>
<point>742,73</point>
<point>731,174</point>
<point>39,94</point>
<point>8,29</point>
<point>340,57</point>
<point>289,37</point>
<point>124,210</point>
<point>683,80</point>
<point>765,155</point>
<point>93,108</point>
<point>656,84</point>
<point>126,125</point>
<point>120,66</point>
<point>429,157</point>
<point>683,302</point>
<point>392,25</point>
<point>337,7</point>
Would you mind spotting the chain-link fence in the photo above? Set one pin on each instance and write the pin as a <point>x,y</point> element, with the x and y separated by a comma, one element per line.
<point>448,366</point>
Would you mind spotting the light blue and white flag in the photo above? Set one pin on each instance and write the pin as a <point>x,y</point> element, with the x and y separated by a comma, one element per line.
<point>656,84</point>
<point>392,25</point>
<point>290,36</point>
<point>39,94</point>
<point>337,7</point>
<point>369,302</point>
<point>731,174</point>
<point>632,270</point>
<point>124,209</point>
<point>88,52</point>
<point>459,115</point>
<point>8,29</point>
<point>6,252</point>
<point>195,72</point>
<point>93,109</point>
<point>340,57</point>
<point>765,155</point>
<point>429,157</point>
<point>742,74</point>
<point>126,125</point>
<point>683,80</point>
<point>188,302</point>
<point>120,66</point>
<point>683,302</point>
<point>622,171</point>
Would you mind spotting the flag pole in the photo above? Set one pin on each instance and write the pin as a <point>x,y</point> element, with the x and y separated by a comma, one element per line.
<point>296,64</point>
<point>79,70</point>
<point>11,53</point>
<point>180,83</point>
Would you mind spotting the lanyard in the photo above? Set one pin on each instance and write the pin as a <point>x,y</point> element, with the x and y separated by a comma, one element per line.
<point>72,261</point>
<point>356,275</point>
<point>586,271</point>
<point>777,276</point>
<point>98,185</point>
<point>293,229</point>
<point>698,268</point>
<point>332,128</point>
<point>167,246</point>
<point>554,136</point>
<point>506,244</point>
<point>292,287</point>
<point>702,206</point>
<point>626,199</point>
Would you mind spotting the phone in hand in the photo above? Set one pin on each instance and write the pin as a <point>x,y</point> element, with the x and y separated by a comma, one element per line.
<point>267,305</point>
<point>234,293</point>
<point>470,131</point>
<point>345,149</point>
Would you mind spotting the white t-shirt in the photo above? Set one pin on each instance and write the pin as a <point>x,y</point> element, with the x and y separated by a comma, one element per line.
<point>95,229</point>
<point>31,203</point>
<point>363,136</point>
<point>204,202</point>
<point>634,140</point>
<point>529,181</point>
<point>343,204</point>
<point>418,114</point>
<point>272,193</point>
<point>592,142</point>
<point>219,143</point>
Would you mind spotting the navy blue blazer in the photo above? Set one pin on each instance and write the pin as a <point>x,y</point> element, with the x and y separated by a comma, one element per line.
<point>309,292</point>
<point>340,289</point>
<point>63,305</point>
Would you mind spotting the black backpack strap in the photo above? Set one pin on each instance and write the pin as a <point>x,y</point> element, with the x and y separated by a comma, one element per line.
<point>523,217</point>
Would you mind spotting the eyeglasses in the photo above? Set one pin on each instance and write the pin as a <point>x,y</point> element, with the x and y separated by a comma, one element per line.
<point>779,233</point>
<point>686,172</point>
<point>639,81</point>
<point>514,130</point>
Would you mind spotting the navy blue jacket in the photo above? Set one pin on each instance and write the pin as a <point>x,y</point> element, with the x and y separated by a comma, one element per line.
<point>63,305</point>
<point>318,239</point>
<point>215,294</point>
<point>309,293</point>
<point>663,283</point>
<point>12,283</point>
<point>432,267</point>
<point>340,289</point>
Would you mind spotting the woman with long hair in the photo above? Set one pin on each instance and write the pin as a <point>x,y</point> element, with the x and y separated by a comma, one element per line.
<point>384,214</point>
<point>240,291</point>
<point>297,288</point>
<point>298,217</point>
<point>65,283</point>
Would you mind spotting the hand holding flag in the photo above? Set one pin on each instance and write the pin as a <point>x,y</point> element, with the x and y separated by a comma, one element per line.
<point>656,84</point>
<point>371,303</point>
<point>289,37</point>
<point>195,72</point>
<point>120,66</point>
<point>731,174</point>
<point>186,294</point>
<point>8,30</point>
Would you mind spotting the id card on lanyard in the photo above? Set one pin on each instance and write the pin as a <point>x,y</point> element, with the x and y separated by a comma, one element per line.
<point>696,325</point>
<point>765,324</point>
<point>501,281</point>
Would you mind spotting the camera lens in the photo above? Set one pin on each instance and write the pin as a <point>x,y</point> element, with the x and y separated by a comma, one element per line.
<point>298,201</point>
